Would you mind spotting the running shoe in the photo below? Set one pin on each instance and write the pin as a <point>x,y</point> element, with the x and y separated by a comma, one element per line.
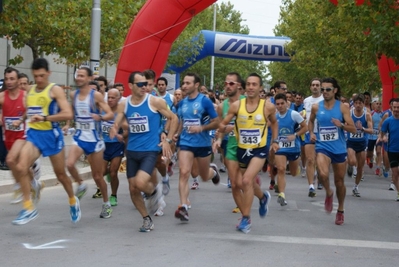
<point>36,191</point>
<point>281,200</point>
<point>182,214</point>
<point>319,186</point>
<point>378,172</point>
<point>276,189</point>
<point>154,199</point>
<point>328,203</point>
<point>98,194</point>
<point>25,216</point>
<point>264,204</point>
<point>271,186</point>
<point>147,226</point>
<point>349,170</point>
<point>195,186</point>
<point>16,196</point>
<point>75,211</point>
<point>339,218</point>
<point>312,192</point>
<point>385,172</point>
<point>113,200</point>
<point>222,168</point>
<point>391,187</point>
<point>162,205</point>
<point>216,179</point>
<point>165,187</point>
<point>370,163</point>
<point>106,211</point>
<point>236,210</point>
<point>82,190</point>
<point>303,172</point>
<point>355,192</point>
<point>244,226</point>
<point>228,182</point>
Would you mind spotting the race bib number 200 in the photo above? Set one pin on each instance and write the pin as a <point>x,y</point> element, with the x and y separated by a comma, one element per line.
<point>139,124</point>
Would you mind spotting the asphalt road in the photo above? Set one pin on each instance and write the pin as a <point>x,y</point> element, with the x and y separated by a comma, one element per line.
<point>300,234</point>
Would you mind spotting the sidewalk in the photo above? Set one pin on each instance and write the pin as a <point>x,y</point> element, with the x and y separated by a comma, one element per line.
<point>47,174</point>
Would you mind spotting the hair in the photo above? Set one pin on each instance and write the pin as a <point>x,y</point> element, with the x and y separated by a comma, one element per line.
<point>238,76</point>
<point>367,93</point>
<point>197,79</point>
<point>278,84</point>
<point>334,82</point>
<point>40,63</point>
<point>133,75</point>
<point>118,84</point>
<point>23,75</point>
<point>298,94</point>
<point>149,74</point>
<point>289,92</point>
<point>269,94</point>
<point>96,84</point>
<point>280,96</point>
<point>256,75</point>
<point>359,97</point>
<point>102,79</point>
<point>393,100</point>
<point>88,71</point>
<point>10,70</point>
<point>314,79</point>
<point>163,79</point>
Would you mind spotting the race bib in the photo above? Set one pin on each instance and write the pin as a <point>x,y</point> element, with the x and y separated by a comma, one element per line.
<point>9,124</point>
<point>250,136</point>
<point>106,126</point>
<point>357,135</point>
<point>139,125</point>
<point>190,122</point>
<point>327,134</point>
<point>34,110</point>
<point>85,123</point>
<point>284,143</point>
<point>232,133</point>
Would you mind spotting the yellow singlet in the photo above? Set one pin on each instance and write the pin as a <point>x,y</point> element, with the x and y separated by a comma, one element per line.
<point>39,103</point>
<point>251,128</point>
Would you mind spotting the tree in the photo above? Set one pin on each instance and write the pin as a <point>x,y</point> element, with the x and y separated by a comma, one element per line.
<point>228,20</point>
<point>331,41</point>
<point>63,27</point>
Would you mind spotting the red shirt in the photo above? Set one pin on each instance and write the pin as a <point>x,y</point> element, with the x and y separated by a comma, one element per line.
<point>12,111</point>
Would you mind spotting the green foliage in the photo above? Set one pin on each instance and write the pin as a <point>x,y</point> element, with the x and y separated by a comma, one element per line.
<point>63,27</point>
<point>228,20</point>
<point>331,41</point>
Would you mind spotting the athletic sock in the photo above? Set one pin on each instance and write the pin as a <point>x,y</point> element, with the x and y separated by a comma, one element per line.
<point>311,186</point>
<point>72,201</point>
<point>28,205</point>
<point>196,179</point>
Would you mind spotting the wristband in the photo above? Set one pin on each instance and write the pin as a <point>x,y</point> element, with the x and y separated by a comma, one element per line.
<point>44,118</point>
<point>275,141</point>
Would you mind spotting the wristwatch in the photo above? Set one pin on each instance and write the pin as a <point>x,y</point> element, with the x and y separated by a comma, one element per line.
<point>275,141</point>
<point>168,140</point>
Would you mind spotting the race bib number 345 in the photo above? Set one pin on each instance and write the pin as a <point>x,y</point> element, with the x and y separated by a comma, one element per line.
<point>328,134</point>
<point>250,136</point>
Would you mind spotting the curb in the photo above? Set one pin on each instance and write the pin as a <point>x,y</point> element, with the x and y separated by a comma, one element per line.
<point>50,180</point>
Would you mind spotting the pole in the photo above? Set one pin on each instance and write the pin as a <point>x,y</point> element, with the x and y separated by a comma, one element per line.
<point>213,58</point>
<point>95,37</point>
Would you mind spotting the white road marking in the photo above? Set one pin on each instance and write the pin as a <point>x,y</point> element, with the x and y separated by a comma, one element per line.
<point>46,245</point>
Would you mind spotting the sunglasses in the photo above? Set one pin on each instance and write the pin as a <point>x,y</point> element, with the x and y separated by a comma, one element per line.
<point>326,89</point>
<point>141,84</point>
<point>230,83</point>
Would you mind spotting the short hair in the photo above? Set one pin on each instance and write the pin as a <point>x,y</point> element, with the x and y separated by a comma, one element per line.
<point>238,76</point>
<point>163,79</point>
<point>278,84</point>
<point>96,84</point>
<point>133,75</point>
<point>23,75</point>
<point>197,79</point>
<point>243,84</point>
<point>315,79</point>
<point>253,74</point>
<point>40,63</point>
<point>289,92</point>
<point>102,79</point>
<point>88,71</point>
<point>119,84</point>
<point>367,93</point>
<point>10,70</point>
<point>298,94</point>
<point>149,74</point>
<point>359,97</point>
<point>334,82</point>
<point>280,96</point>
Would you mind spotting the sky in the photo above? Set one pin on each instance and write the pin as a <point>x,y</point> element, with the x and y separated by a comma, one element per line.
<point>261,16</point>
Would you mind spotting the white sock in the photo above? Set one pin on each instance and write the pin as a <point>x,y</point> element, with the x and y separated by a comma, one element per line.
<point>17,186</point>
<point>196,179</point>
<point>354,170</point>
<point>107,203</point>
<point>34,183</point>
<point>311,186</point>
<point>165,178</point>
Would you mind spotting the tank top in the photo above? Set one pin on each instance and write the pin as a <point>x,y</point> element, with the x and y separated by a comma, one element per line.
<point>87,129</point>
<point>225,110</point>
<point>13,111</point>
<point>144,124</point>
<point>359,136</point>
<point>251,127</point>
<point>106,127</point>
<point>329,136</point>
<point>41,103</point>
<point>286,126</point>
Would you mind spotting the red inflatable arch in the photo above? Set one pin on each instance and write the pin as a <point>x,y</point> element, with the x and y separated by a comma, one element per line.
<point>152,33</point>
<point>385,66</point>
